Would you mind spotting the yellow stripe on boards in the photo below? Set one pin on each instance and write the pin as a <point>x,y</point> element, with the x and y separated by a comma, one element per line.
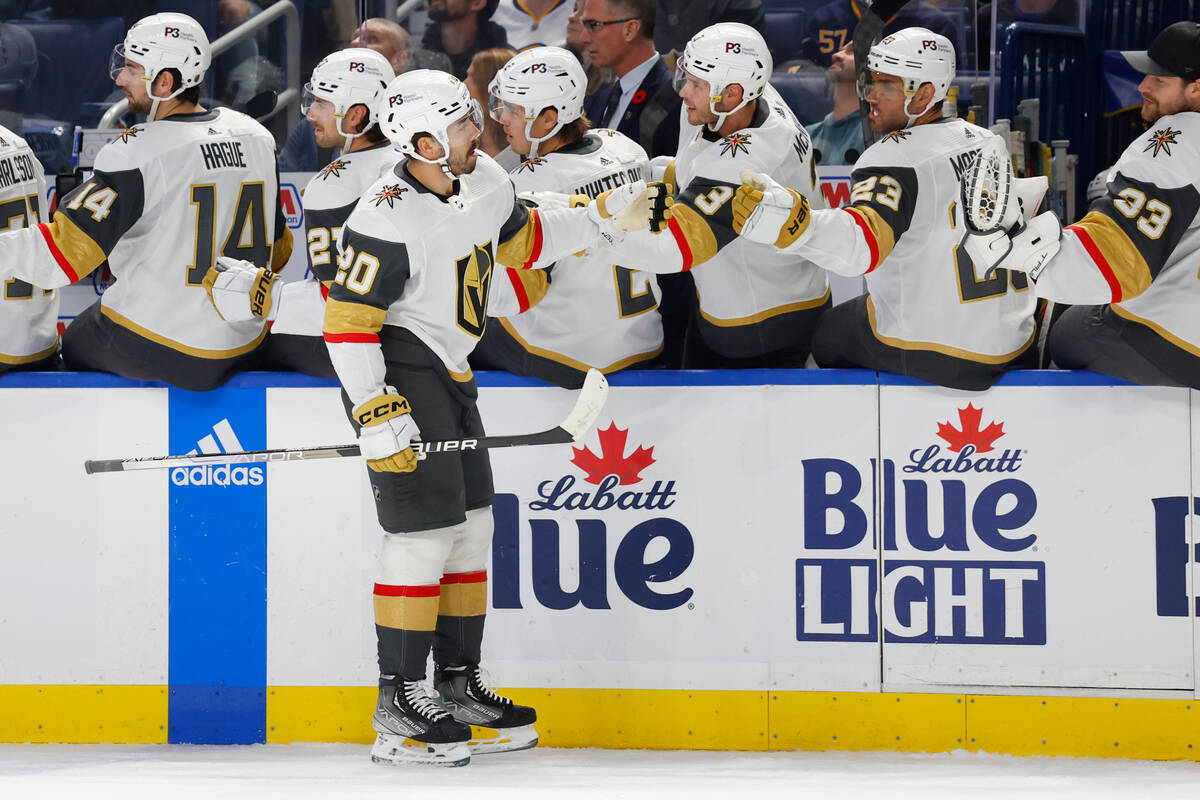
<point>77,714</point>
<point>866,721</point>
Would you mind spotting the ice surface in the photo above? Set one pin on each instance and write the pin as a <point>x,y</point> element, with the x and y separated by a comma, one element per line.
<point>301,771</point>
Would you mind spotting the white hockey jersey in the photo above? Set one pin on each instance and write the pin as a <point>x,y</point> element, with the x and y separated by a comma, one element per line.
<point>28,314</point>
<point>165,199</point>
<point>903,229</point>
<point>329,197</point>
<point>739,282</point>
<point>525,30</point>
<point>413,259</point>
<point>1139,245</point>
<point>594,312</point>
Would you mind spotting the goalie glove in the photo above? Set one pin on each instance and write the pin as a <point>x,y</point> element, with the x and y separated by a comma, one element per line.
<point>768,213</point>
<point>240,291</point>
<point>1028,251</point>
<point>387,433</point>
<point>627,208</point>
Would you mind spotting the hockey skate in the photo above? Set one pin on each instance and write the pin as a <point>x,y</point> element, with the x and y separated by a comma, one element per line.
<point>464,694</point>
<point>414,729</point>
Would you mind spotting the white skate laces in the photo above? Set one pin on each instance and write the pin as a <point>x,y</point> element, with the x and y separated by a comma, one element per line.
<point>476,677</point>
<point>422,701</point>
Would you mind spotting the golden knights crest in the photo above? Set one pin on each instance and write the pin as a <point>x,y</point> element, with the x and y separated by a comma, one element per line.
<point>129,133</point>
<point>474,279</point>
<point>334,169</point>
<point>389,194</point>
<point>735,143</point>
<point>531,164</point>
<point>1161,141</point>
<point>897,136</point>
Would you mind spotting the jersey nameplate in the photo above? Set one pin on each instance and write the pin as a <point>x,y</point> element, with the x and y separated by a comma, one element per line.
<point>222,155</point>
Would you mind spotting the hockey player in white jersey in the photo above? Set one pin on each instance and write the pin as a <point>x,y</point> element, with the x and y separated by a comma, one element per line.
<point>28,314</point>
<point>1131,262</point>
<point>166,198</point>
<point>587,311</point>
<point>929,311</point>
<point>405,309</point>
<point>755,306</point>
<point>340,100</point>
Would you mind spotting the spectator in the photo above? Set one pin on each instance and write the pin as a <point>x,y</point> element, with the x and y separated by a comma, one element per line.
<point>641,103</point>
<point>680,20</point>
<point>460,29</point>
<point>387,38</point>
<point>484,67</point>
<point>838,138</point>
<point>597,78</point>
<point>534,23</point>
<point>832,26</point>
<point>1044,12</point>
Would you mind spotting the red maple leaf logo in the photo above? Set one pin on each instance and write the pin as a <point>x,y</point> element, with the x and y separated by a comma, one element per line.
<point>612,459</point>
<point>970,433</point>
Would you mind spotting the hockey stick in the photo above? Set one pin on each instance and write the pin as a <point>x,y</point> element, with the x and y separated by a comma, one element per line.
<point>588,405</point>
<point>866,34</point>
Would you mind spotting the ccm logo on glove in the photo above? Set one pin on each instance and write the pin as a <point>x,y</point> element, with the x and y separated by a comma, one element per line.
<point>383,408</point>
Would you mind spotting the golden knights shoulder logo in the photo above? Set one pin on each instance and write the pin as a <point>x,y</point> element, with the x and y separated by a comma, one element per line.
<point>334,169</point>
<point>735,143</point>
<point>897,136</point>
<point>129,133</point>
<point>531,164</point>
<point>474,279</point>
<point>1161,141</point>
<point>389,194</point>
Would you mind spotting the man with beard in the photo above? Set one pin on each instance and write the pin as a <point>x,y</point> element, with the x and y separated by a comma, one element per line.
<point>1131,261</point>
<point>838,139</point>
<point>164,195</point>
<point>406,308</point>
<point>460,29</point>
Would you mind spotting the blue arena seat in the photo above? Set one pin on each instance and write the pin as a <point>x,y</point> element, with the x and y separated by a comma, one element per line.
<point>1046,62</point>
<point>785,29</point>
<point>73,58</point>
<point>805,93</point>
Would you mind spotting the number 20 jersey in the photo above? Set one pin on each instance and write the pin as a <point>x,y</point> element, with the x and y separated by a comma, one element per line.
<point>165,199</point>
<point>28,314</point>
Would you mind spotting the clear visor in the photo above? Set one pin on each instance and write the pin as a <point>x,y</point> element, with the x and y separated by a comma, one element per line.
<point>308,100</point>
<point>497,108</point>
<point>467,127</point>
<point>683,78</point>
<point>117,64</point>
<point>869,83</point>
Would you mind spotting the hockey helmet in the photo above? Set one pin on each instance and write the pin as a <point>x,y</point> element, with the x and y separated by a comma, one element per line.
<point>916,55</point>
<point>722,55</point>
<point>350,77</point>
<point>537,79</point>
<point>425,101</point>
<point>165,41</point>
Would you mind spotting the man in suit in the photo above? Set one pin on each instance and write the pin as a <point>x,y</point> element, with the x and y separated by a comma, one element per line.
<point>641,103</point>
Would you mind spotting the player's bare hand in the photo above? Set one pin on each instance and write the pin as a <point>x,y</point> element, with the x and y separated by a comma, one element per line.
<point>768,213</point>
<point>240,291</point>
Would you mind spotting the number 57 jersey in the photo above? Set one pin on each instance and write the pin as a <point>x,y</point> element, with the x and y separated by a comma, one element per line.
<point>166,198</point>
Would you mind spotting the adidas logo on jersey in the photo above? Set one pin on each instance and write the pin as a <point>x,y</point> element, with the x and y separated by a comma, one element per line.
<point>220,474</point>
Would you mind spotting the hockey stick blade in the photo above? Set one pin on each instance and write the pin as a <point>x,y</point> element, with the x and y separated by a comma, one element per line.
<point>588,405</point>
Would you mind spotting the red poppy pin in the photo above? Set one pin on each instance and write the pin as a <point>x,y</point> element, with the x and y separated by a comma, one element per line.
<point>638,97</point>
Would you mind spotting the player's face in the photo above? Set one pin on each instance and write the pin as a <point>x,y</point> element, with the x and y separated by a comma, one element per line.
<point>131,79</point>
<point>1162,95</point>
<point>512,119</point>
<point>885,95</point>
<point>324,123</point>
<point>696,95</point>
<point>464,138</point>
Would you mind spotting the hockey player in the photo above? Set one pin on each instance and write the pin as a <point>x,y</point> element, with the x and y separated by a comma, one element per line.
<point>589,312</point>
<point>406,308</point>
<point>929,311</point>
<point>1131,261</point>
<point>340,101</point>
<point>165,195</point>
<point>756,307</point>
<point>28,314</point>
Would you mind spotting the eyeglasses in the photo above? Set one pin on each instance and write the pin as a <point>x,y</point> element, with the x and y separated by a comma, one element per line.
<point>594,25</point>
